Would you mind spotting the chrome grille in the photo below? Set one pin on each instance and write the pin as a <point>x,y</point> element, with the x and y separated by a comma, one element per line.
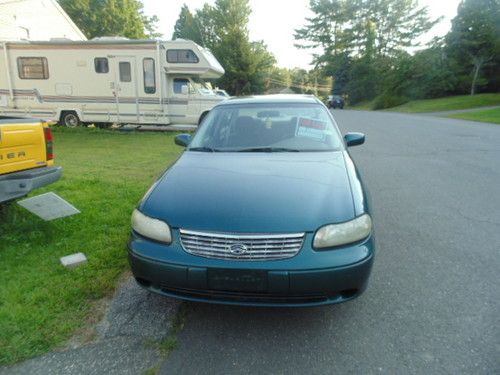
<point>241,246</point>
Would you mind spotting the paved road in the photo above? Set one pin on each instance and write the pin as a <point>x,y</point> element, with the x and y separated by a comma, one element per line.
<point>433,302</point>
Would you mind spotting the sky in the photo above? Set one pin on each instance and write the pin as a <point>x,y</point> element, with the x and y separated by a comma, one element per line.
<point>274,22</point>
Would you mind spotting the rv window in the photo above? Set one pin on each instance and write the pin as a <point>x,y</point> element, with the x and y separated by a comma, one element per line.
<point>148,66</point>
<point>125,72</point>
<point>178,83</point>
<point>101,65</point>
<point>32,67</point>
<point>181,56</point>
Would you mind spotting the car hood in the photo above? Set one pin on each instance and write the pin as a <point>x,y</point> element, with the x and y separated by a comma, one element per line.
<point>253,192</point>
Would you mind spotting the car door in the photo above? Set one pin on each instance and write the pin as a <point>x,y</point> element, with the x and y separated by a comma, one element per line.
<point>183,109</point>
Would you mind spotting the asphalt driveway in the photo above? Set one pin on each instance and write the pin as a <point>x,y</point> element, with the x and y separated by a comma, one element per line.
<point>432,305</point>
<point>433,302</point>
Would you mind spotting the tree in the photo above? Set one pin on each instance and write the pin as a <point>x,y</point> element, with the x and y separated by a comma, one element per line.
<point>205,20</point>
<point>264,63</point>
<point>223,28</point>
<point>328,29</point>
<point>350,26</point>
<point>392,24</point>
<point>432,74</point>
<point>358,37</point>
<point>233,48</point>
<point>278,78</point>
<point>186,26</point>
<point>111,18</point>
<point>339,69</point>
<point>474,40</point>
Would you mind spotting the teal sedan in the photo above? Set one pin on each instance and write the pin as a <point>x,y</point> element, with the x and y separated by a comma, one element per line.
<point>265,208</point>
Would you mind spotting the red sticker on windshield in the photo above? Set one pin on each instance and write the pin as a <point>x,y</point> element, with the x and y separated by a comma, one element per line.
<point>313,124</point>
<point>310,128</point>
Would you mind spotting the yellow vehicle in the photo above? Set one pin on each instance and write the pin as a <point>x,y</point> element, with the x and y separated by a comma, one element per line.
<point>26,157</point>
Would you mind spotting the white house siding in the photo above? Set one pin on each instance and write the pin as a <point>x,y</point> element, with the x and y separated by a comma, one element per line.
<point>35,20</point>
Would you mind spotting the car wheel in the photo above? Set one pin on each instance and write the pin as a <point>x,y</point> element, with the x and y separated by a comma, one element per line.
<point>70,119</point>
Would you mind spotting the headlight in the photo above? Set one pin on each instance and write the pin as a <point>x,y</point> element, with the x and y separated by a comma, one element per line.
<point>343,233</point>
<point>151,228</point>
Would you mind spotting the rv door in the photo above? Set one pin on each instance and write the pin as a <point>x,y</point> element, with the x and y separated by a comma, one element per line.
<point>125,89</point>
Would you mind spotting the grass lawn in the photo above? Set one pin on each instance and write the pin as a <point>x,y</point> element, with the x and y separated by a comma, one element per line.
<point>106,173</point>
<point>366,105</point>
<point>448,103</point>
<point>488,115</point>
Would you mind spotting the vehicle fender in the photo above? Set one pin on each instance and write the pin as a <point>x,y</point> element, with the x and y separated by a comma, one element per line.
<point>359,193</point>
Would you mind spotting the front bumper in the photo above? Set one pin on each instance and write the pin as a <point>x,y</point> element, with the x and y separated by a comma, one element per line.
<point>310,278</point>
<point>18,184</point>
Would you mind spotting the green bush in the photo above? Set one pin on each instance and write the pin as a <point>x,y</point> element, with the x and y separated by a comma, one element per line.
<point>388,101</point>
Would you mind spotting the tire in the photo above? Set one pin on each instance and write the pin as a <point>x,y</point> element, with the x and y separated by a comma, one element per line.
<point>203,115</point>
<point>70,119</point>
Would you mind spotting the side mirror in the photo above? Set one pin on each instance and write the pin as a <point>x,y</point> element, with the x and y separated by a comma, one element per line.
<point>183,140</point>
<point>184,90</point>
<point>354,139</point>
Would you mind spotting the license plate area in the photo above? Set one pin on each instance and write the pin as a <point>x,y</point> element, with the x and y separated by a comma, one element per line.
<point>237,280</point>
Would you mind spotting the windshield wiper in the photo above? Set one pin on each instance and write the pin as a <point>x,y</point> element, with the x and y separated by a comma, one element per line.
<point>268,149</point>
<point>203,149</point>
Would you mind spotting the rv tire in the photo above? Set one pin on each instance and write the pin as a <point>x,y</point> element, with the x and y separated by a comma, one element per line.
<point>70,119</point>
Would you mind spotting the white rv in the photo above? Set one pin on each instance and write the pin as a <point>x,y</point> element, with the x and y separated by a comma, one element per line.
<point>107,80</point>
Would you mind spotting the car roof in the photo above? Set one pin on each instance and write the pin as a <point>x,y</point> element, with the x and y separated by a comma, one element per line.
<point>268,99</point>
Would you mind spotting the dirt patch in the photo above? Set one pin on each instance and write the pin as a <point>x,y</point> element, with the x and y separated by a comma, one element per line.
<point>88,333</point>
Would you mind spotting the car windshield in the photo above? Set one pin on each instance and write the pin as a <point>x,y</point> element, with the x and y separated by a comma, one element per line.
<point>201,86</point>
<point>275,127</point>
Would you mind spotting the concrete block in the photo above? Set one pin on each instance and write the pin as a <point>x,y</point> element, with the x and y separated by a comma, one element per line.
<point>74,260</point>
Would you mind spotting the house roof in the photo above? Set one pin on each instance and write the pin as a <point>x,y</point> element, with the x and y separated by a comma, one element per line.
<point>36,20</point>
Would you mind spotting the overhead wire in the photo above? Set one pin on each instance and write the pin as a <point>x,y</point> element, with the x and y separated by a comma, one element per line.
<point>301,86</point>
